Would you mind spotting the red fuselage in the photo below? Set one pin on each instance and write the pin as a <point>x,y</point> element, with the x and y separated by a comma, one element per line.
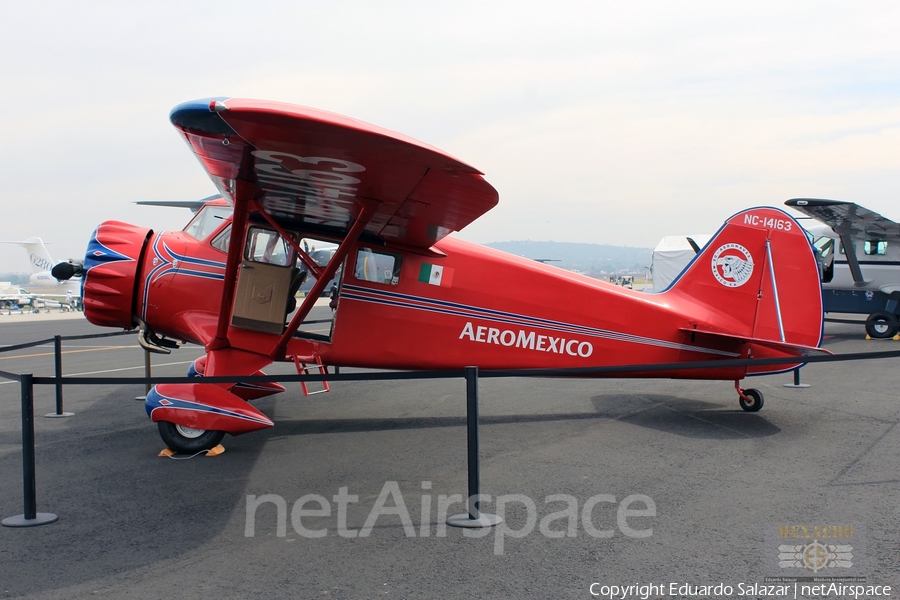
<point>455,305</point>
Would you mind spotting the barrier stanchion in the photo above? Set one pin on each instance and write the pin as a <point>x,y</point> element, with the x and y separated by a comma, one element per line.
<point>31,517</point>
<point>474,517</point>
<point>57,359</point>
<point>796,383</point>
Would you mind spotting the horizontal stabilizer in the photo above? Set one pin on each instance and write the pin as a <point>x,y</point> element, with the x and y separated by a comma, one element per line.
<point>193,205</point>
<point>787,348</point>
<point>23,242</point>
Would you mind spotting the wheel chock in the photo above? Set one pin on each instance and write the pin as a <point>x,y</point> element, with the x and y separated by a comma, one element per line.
<point>216,451</point>
<point>169,453</point>
<point>896,337</point>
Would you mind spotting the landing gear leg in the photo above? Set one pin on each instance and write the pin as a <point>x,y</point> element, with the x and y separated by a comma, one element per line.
<point>751,400</point>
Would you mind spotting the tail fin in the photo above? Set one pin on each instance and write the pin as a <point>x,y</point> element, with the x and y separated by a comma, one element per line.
<point>37,254</point>
<point>756,280</point>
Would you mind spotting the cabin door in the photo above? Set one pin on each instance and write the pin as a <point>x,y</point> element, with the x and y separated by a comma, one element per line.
<point>264,282</point>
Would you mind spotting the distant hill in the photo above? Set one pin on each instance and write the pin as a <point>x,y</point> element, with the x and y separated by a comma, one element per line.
<point>591,259</point>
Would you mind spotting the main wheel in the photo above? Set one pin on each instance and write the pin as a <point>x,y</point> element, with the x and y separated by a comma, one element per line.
<point>753,402</point>
<point>187,440</point>
<point>882,325</point>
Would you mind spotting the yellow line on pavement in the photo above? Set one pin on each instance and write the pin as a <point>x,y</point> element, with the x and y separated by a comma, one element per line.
<point>67,352</point>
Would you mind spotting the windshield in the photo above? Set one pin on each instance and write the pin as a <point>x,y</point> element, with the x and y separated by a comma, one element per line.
<point>206,221</point>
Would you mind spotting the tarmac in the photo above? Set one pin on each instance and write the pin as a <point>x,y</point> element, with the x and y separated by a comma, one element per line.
<point>53,314</point>
<point>600,483</point>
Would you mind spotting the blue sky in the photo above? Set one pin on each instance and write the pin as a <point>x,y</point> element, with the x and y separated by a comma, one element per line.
<point>603,122</point>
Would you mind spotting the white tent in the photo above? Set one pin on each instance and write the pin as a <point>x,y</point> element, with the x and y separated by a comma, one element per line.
<point>671,255</point>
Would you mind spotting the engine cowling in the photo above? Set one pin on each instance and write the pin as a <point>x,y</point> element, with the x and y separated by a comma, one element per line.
<point>111,264</point>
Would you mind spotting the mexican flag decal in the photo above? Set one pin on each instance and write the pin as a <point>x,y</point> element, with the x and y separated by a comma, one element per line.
<point>435,275</point>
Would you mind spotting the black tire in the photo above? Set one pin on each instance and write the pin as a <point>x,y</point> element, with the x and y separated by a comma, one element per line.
<point>185,440</point>
<point>882,325</point>
<point>754,401</point>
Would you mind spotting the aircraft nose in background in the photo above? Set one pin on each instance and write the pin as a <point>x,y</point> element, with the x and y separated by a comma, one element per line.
<point>65,271</point>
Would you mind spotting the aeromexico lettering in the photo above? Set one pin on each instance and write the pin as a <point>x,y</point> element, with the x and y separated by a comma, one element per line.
<point>526,339</point>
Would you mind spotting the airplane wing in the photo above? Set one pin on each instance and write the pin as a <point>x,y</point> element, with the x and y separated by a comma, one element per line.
<point>848,218</point>
<point>313,170</point>
<point>55,297</point>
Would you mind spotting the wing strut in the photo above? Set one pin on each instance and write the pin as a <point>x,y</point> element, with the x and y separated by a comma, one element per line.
<point>365,215</point>
<point>242,190</point>
<point>852,260</point>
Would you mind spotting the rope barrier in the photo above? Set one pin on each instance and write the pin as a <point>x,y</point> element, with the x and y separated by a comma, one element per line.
<point>623,370</point>
<point>89,336</point>
<point>25,345</point>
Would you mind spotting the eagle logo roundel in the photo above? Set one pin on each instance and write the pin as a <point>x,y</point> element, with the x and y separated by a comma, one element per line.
<point>732,265</point>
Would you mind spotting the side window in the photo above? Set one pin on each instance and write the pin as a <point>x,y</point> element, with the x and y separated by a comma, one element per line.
<point>267,246</point>
<point>875,248</point>
<point>376,266</point>
<point>220,242</point>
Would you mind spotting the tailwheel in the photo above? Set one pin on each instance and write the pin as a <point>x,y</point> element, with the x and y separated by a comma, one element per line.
<point>187,440</point>
<point>751,400</point>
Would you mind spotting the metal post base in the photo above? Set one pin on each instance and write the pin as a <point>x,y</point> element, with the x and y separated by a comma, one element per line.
<point>57,415</point>
<point>796,383</point>
<point>21,521</point>
<point>465,520</point>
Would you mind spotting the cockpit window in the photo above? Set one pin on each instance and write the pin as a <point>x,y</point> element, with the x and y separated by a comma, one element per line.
<point>267,246</point>
<point>207,220</point>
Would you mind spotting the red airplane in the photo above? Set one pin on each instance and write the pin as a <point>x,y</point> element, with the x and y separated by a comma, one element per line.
<point>409,296</point>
